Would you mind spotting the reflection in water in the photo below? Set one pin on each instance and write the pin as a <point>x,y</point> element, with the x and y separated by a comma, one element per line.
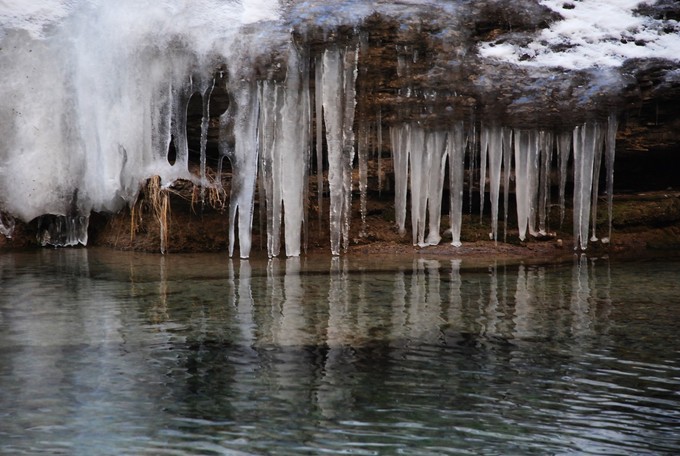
<point>150,354</point>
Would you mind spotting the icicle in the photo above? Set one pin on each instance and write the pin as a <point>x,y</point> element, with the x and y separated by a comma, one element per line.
<point>180,98</point>
<point>318,100</point>
<point>587,141</point>
<point>436,172</point>
<point>483,151</point>
<point>205,120</point>
<point>295,118</point>
<point>533,175</point>
<point>420,157</point>
<point>363,174</point>
<point>338,80</point>
<point>284,154</point>
<point>244,162</point>
<point>400,156</point>
<point>597,163</point>
<point>63,231</point>
<point>563,152</point>
<point>418,162</point>
<point>494,138</point>
<point>472,160</point>
<point>546,147</point>
<point>379,146</point>
<point>507,163</point>
<point>351,68</point>
<point>610,147</point>
<point>456,153</point>
<point>269,157</point>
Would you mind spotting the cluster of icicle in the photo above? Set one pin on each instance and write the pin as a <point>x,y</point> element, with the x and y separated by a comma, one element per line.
<point>273,132</point>
<point>273,124</point>
<point>504,154</point>
<point>275,120</point>
<point>268,131</point>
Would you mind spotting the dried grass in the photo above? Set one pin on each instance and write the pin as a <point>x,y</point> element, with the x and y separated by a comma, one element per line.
<point>155,201</point>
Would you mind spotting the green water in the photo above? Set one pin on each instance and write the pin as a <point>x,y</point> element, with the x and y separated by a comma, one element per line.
<point>113,353</point>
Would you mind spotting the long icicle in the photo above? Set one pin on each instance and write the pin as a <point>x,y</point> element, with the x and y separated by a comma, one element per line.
<point>610,146</point>
<point>495,158</point>
<point>507,165</point>
<point>563,153</point>
<point>318,102</point>
<point>400,157</point>
<point>456,152</point>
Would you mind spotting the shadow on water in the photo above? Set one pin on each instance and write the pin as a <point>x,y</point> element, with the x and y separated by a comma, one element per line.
<point>103,353</point>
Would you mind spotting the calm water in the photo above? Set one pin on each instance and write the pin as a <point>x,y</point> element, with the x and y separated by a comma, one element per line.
<point>114,353</point>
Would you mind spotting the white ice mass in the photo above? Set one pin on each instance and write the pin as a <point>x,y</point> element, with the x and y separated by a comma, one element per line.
<point>95,91</point>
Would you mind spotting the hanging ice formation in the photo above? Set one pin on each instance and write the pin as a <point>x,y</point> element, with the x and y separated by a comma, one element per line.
<point>339,72</point>
<point>95,94</point>
<point>420,157</point>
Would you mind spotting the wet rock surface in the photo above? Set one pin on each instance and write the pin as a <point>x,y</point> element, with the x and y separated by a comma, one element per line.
<point>420,62</point>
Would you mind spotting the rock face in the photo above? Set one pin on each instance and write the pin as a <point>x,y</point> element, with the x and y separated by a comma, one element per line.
<point>420,62</point>
<point>427,64</point>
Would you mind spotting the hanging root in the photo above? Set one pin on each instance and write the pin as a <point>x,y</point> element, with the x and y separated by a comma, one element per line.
<point>212,193</point>
<point>159,200</point>
<point>156,200</point>
<point>136,217</point>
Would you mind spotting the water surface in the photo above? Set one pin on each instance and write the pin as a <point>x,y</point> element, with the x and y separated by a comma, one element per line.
<point>116,353</point>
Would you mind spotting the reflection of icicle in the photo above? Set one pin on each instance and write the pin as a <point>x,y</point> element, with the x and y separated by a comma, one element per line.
<point>587,142</point>
<point>580,297</point>
<point>610,148</point>
<point>424,308</point>
<point>338,81</point>
<point>292,330</point>
<point>399,316</point>
<point>241,297</point>
<point>455,312</point>
<point>456,153</point>
<point>244,163</point>
<point>491,311</point>
<point>563,152</point>
<point>523,303</point>
<point>332,393</point>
